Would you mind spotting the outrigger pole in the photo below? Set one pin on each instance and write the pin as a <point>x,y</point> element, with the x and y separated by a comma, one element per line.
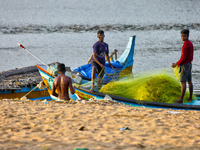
<point>32,54</point>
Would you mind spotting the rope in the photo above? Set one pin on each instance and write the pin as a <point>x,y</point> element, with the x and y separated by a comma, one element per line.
<point>93,80</point>
<point>166,70</point>
<point>40,86</point>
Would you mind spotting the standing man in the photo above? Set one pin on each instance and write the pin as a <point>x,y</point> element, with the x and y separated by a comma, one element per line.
<point>185,63</point>
<point>62,83</point>
<point>100,51</point>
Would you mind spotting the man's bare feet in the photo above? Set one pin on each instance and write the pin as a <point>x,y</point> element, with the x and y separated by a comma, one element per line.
<point>180,101</point>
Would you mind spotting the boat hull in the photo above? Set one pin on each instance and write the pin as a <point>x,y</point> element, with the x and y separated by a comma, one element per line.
<point>85,94</point>
<point>16,83</point>
<point>16,93</point>
<point>81,93</point>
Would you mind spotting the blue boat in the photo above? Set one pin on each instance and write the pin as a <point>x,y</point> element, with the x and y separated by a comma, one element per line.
<point>126,60</point>
<point>122,66</point>
<point>17,83</point>
<point>82,75</point>
<point>19,93</point>
<point>85,94</point>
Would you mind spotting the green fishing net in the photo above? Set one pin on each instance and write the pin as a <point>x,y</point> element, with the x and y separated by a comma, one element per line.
<point>156,86</point>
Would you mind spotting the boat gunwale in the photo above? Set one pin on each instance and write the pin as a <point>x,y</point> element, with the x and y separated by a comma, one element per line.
<point>142,102</point>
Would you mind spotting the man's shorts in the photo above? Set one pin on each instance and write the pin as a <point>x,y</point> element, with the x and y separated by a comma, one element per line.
<point>186,72</point>
<point>100,70</point>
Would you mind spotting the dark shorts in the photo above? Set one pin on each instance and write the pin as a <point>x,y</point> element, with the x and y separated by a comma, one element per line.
<point>94,64</point>
<point>186,72</point>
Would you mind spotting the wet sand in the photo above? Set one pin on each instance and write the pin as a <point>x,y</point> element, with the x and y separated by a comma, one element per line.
<point>39,126</point>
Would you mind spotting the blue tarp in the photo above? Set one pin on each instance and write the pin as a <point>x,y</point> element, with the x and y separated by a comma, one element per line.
<point>86,71</point>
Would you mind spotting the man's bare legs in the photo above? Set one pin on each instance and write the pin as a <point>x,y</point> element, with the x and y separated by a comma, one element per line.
<point>93,77</point>
<point>191,90</point>
<point>183,89</point>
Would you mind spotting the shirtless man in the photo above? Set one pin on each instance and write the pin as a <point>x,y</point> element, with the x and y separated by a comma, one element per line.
<point>62,83</point>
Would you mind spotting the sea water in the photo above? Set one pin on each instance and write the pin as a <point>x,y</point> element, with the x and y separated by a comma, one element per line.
<point>65,31</point>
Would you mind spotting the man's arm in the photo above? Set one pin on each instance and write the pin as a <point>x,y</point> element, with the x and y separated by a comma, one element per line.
<point>108,59</point>
<point>54,89</point>
<point>72,90</point>
<point>96,60</point>
<point>183,55</point>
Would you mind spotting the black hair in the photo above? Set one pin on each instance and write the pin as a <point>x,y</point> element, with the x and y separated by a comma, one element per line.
<point>100,32</point>
<point>61,67</point>
<point>185,31</point>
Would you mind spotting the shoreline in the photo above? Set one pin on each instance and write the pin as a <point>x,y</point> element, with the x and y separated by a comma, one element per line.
<point>35,125</point>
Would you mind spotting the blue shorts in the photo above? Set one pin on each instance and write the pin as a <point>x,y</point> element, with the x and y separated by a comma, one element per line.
<point>186,72</point>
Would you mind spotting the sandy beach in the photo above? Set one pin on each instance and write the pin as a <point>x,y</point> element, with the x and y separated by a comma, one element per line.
<point>38,126</point>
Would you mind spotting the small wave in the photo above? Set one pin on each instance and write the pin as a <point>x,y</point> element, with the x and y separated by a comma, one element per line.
<point>89,28</point>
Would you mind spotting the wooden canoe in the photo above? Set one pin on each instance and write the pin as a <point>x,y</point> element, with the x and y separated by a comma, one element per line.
<point>16,83</point>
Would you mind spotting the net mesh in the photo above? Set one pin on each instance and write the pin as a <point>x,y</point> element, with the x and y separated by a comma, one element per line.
<point>114,75</point>
<point>157,86</point>
<point>177,72</point>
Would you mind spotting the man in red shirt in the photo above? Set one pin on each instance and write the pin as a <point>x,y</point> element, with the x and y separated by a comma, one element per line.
<point>185,63</point>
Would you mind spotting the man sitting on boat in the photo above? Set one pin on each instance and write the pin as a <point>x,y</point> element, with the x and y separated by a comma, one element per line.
<point>100,51</point>
<point>62,83</point>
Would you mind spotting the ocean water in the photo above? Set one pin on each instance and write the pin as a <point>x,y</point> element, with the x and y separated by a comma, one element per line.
<point>65,31</point>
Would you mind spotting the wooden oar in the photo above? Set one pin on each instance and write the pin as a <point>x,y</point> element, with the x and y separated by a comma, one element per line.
<point>32,54</point>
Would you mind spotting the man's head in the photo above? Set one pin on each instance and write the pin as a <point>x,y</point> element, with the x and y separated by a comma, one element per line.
<point>100,35</point>
<point>61,68</point>
<point>185,34</point>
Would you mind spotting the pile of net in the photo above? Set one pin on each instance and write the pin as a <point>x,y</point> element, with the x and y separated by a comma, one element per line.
<point>159,86</point>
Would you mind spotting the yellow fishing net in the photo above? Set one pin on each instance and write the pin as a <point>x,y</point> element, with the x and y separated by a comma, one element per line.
<point>177,72</point>
<point>111,76</point>
<point>157,86</point>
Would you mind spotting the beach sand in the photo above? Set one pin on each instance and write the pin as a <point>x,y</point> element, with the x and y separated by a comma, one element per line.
<point>60,126</point>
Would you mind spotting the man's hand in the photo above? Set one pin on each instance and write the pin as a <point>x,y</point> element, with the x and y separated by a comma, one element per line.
<point>174,65</point>
<point>111,65</point>
<point>102,66</point>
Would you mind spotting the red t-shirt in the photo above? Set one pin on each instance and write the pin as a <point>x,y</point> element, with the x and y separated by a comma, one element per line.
<point>187,53</point>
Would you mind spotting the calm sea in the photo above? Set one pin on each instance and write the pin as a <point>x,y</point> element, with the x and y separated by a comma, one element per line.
<point>65,31</point>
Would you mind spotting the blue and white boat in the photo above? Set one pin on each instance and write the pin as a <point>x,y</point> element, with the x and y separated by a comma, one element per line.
<point>125,64</point>
<point>82,75</point>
